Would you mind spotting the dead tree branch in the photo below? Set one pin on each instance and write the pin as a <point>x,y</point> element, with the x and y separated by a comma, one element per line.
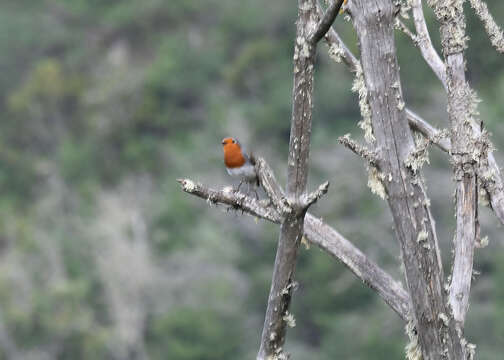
<point>424,42</point>
<point>318,233</point>
<point>428,131</point>
<point>461,112</point>
<point>408,202</point>
<point>308,32</point>
<point>271,187</point>
<point>488,173</point>
<point>493,30</point>
<point>314,196</point>
<point>326,21</point>
<point>358,149</point>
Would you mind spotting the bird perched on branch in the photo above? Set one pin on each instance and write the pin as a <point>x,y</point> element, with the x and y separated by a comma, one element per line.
<point>239,164</point>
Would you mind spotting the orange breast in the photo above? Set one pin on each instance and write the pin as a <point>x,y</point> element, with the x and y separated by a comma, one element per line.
<point>233,157</point>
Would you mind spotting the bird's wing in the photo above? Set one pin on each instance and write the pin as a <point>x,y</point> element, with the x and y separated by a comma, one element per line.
<point>245,153</point>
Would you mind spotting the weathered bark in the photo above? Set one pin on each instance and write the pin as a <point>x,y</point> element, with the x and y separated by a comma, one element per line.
<point>308,32</point>
<point>316,232</point>
<point>493,30</point>
<point>414,226</point>
<point>488,172</point>
<point>425,44</point>
<point>463,150</point>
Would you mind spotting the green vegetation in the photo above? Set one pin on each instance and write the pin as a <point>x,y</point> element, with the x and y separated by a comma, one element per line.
<point>105,104</point>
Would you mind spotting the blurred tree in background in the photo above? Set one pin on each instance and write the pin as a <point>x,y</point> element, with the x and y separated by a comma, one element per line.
<point>105,104</point>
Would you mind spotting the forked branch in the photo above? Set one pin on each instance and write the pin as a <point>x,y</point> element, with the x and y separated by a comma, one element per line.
<point>488,171</point>
<point>316,232</point>
<point>309,31</point>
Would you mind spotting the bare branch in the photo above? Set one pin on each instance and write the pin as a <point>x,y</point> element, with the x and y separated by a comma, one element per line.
<point>326,21</point>
<point>493,30</point>
<point>362,151</point>
<point>291,231</point>
<point>320,234</point>
<point>271,187</point>
<point>461,113</point>
<point>337,48</point>
<point>399,24</point>
<point>428,131</point>
<point>329,239</point>
<point>229,197</point>
<point>314,196</point>
<point>424,42</point>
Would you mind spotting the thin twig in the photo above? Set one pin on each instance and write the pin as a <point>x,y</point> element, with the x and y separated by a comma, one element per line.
<point>314,196</point>
<point>424,42</point>
<point>358,149</point>
<point>326,21</point>
<point>493,30</point>
<point>399,24</point>
<point>271,187</point>
<point>428,131</point>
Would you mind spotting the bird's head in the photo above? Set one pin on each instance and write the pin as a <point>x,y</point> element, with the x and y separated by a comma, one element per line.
<point>229,141</point>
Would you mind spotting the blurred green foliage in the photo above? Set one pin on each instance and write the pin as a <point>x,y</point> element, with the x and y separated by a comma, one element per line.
<point>105,104</point>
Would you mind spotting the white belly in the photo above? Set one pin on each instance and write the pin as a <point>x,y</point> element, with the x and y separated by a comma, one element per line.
<point>246,171</point>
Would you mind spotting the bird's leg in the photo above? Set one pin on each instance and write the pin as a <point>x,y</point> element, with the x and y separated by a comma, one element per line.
<point>239,185</point>
<point>254,189</point>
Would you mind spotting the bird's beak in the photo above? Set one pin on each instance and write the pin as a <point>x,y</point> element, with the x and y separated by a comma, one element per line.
<point>223,142</point>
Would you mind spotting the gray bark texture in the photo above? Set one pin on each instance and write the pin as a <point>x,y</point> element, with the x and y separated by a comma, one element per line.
<point>488,170</point>
<point>452,29</point>
<point>309,30</point>
<point>408,202</point>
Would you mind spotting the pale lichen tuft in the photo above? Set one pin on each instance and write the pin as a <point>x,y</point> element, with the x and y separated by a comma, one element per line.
<point>359,87</point>
<point>289,319</point>
<point>375,182</point>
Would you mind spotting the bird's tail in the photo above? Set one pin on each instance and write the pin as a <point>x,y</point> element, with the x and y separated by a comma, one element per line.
<point>252,159</point>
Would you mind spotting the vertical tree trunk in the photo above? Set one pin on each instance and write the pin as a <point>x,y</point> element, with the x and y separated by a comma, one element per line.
<point>291,231</point>
<point>406,196</point>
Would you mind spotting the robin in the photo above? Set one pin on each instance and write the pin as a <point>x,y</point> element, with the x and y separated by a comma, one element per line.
<point>238,163</point>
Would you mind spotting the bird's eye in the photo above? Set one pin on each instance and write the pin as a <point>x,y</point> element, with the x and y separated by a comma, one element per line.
<point>234,141</point>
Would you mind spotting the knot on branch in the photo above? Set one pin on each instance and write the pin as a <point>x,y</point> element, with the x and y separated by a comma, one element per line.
<point>474,159</point>
<point>463,165</point>
<point>402,8</point>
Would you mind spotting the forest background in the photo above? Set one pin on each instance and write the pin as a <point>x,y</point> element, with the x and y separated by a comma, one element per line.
<point>102,256</point>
